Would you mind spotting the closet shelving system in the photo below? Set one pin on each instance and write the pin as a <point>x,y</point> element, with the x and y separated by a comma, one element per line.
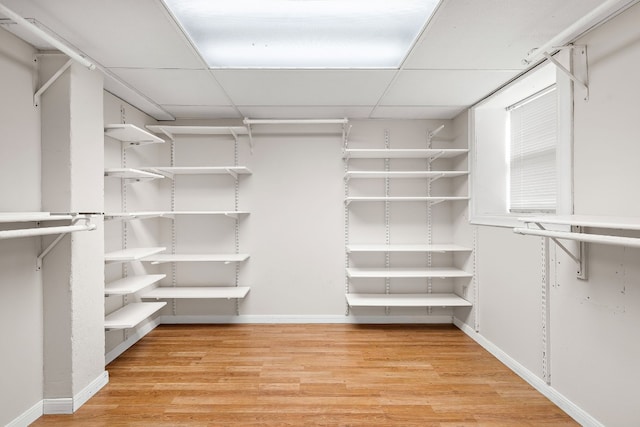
<point>146,286</point>
<point>425,172</point>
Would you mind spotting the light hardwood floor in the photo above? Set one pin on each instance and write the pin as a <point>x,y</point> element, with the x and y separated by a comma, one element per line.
<point>311,375</point>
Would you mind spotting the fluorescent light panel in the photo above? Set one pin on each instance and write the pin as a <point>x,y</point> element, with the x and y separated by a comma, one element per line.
<point>303,33</point>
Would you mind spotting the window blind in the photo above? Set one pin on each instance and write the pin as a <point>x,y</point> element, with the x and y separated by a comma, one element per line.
<point>533,131</point>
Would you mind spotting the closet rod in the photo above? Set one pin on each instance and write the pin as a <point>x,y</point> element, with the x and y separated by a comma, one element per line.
<point>43,35</point>
<point>582,237</point>
<point>588,21</point>
<point>295,121</point>
<point>30,232</point>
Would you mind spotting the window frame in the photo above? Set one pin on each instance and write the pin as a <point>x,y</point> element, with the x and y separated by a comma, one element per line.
<point>488,156</point>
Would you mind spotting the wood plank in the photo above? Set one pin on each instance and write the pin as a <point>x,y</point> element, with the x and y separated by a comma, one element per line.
<point>293,375</point>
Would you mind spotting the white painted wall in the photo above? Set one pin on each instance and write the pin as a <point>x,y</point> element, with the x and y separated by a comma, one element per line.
<point>592,325</point>
<point>20,284</point>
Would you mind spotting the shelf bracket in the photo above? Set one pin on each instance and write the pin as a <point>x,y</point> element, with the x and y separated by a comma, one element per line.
<point>231,172</point>
<point>581,64</point>
<point>346,130</point>
<point>580,257</point>
<point>48,83</point>
<point>57,240</point>
<point>250,133</point>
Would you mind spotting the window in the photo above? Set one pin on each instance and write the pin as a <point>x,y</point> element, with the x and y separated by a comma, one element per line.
<point>533,128</point>
<point>521,156</point>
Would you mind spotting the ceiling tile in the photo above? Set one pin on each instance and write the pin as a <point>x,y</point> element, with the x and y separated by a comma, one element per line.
<point>443,87</point>
<point>417,112</point>
<point>304,87</point>
<point>497,34</point>
<point>175,87</point>
<point>116,33</point>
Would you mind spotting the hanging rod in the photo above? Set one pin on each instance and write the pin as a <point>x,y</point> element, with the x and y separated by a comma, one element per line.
<point>582,237</point>
<point>44,231</point>
<point>43,35</point>
<point>296,121</point>
<point>595,17</point>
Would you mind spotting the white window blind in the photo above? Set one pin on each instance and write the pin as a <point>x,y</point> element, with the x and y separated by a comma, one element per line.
<point>533,130</point>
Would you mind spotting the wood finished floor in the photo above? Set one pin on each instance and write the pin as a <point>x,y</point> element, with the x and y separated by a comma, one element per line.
<point>311,375</point>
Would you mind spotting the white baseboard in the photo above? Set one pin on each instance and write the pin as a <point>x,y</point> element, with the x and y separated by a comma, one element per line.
<point>536,382</point>
<point>28,416</point>
<point>245,319</point>
<point>86,393</point>
<point>68,405</point>
<point>134,337</point>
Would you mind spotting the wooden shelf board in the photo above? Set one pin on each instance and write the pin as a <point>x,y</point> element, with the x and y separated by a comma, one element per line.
<point>131,314</point>
<point>197,292</point>
<point>131,284</point>
<point>198,170</point>
<point>436,272</point>
<point>130,173</point>
<point>128,216</point>
<point>405,199</point>
<point>226,258</point>
<point>424,153</point>
<point>612,222</point>
<point>198,130</point>
<point>131,134</point>
<point>133,254</point>
<point>404,174</point>
<point>408,248</point>
<point>406,300</point>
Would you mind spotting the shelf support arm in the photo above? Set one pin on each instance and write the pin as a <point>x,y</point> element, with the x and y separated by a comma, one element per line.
<point>48,83</point>
<point>87,226</point>
<point>583,63</point>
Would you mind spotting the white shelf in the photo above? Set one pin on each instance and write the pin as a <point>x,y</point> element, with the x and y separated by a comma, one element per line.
<point>198,292</point>
<point>171,130</point>
<point>406,300</point>
<point>134,254</point>
<point>170,171</point>
<point>432,199</point>
<point>9,217</point>
<point>404,174</point>
<point>430,153</point>
<point>406,273</point>
<point>130,173</point>
<point>128,216</point>
<point>442,248</point>
<point>132,284</point>
<point>131,134</point>
<point>131,314</point>
<point>225,258</point>
<point>612,222</point>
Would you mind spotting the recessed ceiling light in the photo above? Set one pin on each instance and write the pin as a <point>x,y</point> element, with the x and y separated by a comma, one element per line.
<point>303,33</point>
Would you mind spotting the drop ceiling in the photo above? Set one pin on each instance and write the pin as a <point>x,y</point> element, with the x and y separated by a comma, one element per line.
<point>467,50</point>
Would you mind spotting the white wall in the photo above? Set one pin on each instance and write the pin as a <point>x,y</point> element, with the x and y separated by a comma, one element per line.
<point>20,284</point>
<point>592,324</point>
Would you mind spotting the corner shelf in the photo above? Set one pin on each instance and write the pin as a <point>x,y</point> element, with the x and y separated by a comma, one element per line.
<point>402,153</point>
<point>225,258</point>
<point>131,314</point>
<point>132,284</point>
<point>406,273</point>
<point>197,292</point>
<point>406,300</point>
<point>440,248</point>
<point>133,254</point>
<point>131,134</point>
